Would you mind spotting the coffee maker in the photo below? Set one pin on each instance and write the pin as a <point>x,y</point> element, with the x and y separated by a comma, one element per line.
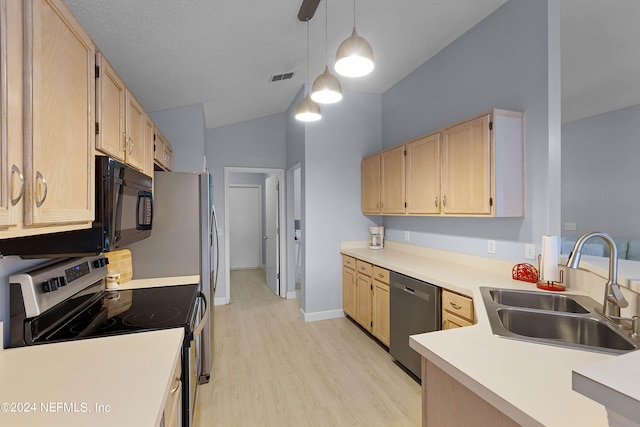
<point>376,237</point>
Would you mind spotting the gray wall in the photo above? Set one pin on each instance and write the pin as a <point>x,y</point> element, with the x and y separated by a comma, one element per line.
<point>184,128</point>
<point>600,157</point>
<point>334,148</point>
<point>507,61</point>
<point>258,143</point>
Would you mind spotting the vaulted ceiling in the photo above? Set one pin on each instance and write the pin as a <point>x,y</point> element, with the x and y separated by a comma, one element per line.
<point>222,53</point>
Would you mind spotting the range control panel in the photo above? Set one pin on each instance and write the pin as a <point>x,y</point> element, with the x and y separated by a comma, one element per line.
<point>48,285</point>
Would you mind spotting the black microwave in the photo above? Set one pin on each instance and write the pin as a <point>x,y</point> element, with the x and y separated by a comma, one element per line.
<point>124,214</point>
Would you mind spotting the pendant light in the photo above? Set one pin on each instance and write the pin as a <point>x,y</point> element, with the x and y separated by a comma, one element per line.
<point>355,56</point>
<point>308,110</point>
<point>326,88</point>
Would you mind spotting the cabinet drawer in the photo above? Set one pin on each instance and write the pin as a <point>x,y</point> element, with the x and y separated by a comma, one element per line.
<point>380,274</point>
<point>348,262</point>
<point>457,304</point>
<point>363,267</point>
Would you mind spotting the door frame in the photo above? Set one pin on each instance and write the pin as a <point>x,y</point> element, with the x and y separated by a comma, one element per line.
<point>282,253</point>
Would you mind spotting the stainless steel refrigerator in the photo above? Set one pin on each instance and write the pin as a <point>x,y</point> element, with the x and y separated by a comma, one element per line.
<point>183,242</point>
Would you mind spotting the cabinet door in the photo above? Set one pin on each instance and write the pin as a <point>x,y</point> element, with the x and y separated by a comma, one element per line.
<point>135,127</point>
<point>168,156</point>
<point>349,296</point>
<point>423,175</point>
<point>11,174</point>
<point>371,185</point>
<point>466,168</point>
<point>393,176</point>
<point>380,314</point>
<point>148,145</point>
<point>363,314</point>
<point>110,111</point>
<point>59,116</point>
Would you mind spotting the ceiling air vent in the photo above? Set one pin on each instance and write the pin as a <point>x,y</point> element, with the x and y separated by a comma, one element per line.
<point>278,77</point>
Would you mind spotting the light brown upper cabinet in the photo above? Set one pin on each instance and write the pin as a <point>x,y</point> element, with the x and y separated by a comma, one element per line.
<point>466,168</point>
<point>59,116</point>
<point>393,180</point>
<point>483,166</point>
<point>110,110</point>
<point>423,175</point>
<point>148,145</point>
<point>11,172</point>
<point>135,129</point>
<point>162,151</point>
<point>371,185</point>
<point>472,168</point>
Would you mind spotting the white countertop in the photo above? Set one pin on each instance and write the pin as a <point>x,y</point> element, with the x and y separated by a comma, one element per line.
<point>115,381</point>
<point>159,281</point>
<point>531,383</point>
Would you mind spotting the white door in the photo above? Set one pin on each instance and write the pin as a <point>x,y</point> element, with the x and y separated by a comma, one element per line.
<point>271,233</point>
<point>244,227</point>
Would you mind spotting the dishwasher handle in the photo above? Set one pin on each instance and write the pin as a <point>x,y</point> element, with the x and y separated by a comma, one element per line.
<point>409,290</point>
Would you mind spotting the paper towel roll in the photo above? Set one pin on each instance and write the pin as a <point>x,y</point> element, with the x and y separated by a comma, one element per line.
<point>549,271</point>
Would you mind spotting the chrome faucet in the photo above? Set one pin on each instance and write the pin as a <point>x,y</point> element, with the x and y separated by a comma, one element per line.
<point>613,298</point>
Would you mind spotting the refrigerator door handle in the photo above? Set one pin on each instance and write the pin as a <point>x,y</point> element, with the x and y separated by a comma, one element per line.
<point>205,316</point>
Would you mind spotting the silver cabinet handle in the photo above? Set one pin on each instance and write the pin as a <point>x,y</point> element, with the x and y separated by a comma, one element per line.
<point>124,140</point>
<point>454,305</point>
<point>131,149</point>
<point>444,201</point>
<point>14,169</point>
<point>177,386</point>
<point>44,189</point>
<point>435,201</point>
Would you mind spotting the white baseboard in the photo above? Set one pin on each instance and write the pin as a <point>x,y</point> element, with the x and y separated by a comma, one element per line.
<point>321,315</point>
<point>220,301</point>
<point>291,295</point>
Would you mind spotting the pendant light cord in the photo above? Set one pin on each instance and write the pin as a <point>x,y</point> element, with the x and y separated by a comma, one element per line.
<point>308,81</point>
<point>326,32</point>
<point>354,13</point>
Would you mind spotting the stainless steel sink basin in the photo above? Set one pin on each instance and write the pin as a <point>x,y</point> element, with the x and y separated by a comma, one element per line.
<point>562,320</point>
<point>537,300</point>
<point>578,330</point>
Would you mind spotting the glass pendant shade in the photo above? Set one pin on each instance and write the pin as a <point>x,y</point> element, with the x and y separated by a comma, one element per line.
<point>354,57</point>
<point>308,110</point>
<point>326,88</point>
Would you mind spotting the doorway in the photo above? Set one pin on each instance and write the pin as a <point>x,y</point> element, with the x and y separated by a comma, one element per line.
<point>269,244</point>
<point>245,227</point>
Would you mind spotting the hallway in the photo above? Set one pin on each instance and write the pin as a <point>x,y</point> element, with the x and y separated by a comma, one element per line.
<point>273,369</point>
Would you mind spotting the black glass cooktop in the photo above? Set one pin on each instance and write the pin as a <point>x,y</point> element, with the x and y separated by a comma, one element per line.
<point>126,311</point>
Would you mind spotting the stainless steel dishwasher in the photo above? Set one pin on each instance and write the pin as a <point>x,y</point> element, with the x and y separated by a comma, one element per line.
<point>415,308</point>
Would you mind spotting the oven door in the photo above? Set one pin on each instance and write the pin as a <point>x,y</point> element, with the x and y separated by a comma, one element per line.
<point>191,362</point>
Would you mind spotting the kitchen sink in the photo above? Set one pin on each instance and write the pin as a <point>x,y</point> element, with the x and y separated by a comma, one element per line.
<point>537,300</point>
<point>562,320</point>
<point>578,330</point>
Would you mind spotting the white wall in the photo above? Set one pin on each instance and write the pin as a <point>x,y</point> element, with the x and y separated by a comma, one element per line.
<point>184,128</point>
<point>258,143</point>
<point>240,178</point>
<point>600,161</point>
<point>510,60</point>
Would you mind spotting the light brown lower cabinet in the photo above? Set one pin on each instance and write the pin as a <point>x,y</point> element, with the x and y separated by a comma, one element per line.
<point>380,327</point>
<point>349,291</point>
<point>172,415</point>
<point>448,403</point>
<point>365,296</point>
<point>457,310</point>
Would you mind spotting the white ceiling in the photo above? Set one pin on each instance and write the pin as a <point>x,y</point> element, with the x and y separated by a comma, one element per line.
<point>222,53</point>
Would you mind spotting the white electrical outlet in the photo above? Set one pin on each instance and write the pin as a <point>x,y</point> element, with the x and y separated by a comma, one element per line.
<point>530,251</point>
<point>407,236</point>
<point>570,226</point>
<point>491,246</point>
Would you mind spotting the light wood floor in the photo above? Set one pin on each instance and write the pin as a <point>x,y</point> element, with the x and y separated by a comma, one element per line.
<point>273,369</point>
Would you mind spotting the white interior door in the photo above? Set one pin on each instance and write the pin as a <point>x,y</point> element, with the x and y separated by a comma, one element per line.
<point>271,233</point>
<point>244,227</point>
